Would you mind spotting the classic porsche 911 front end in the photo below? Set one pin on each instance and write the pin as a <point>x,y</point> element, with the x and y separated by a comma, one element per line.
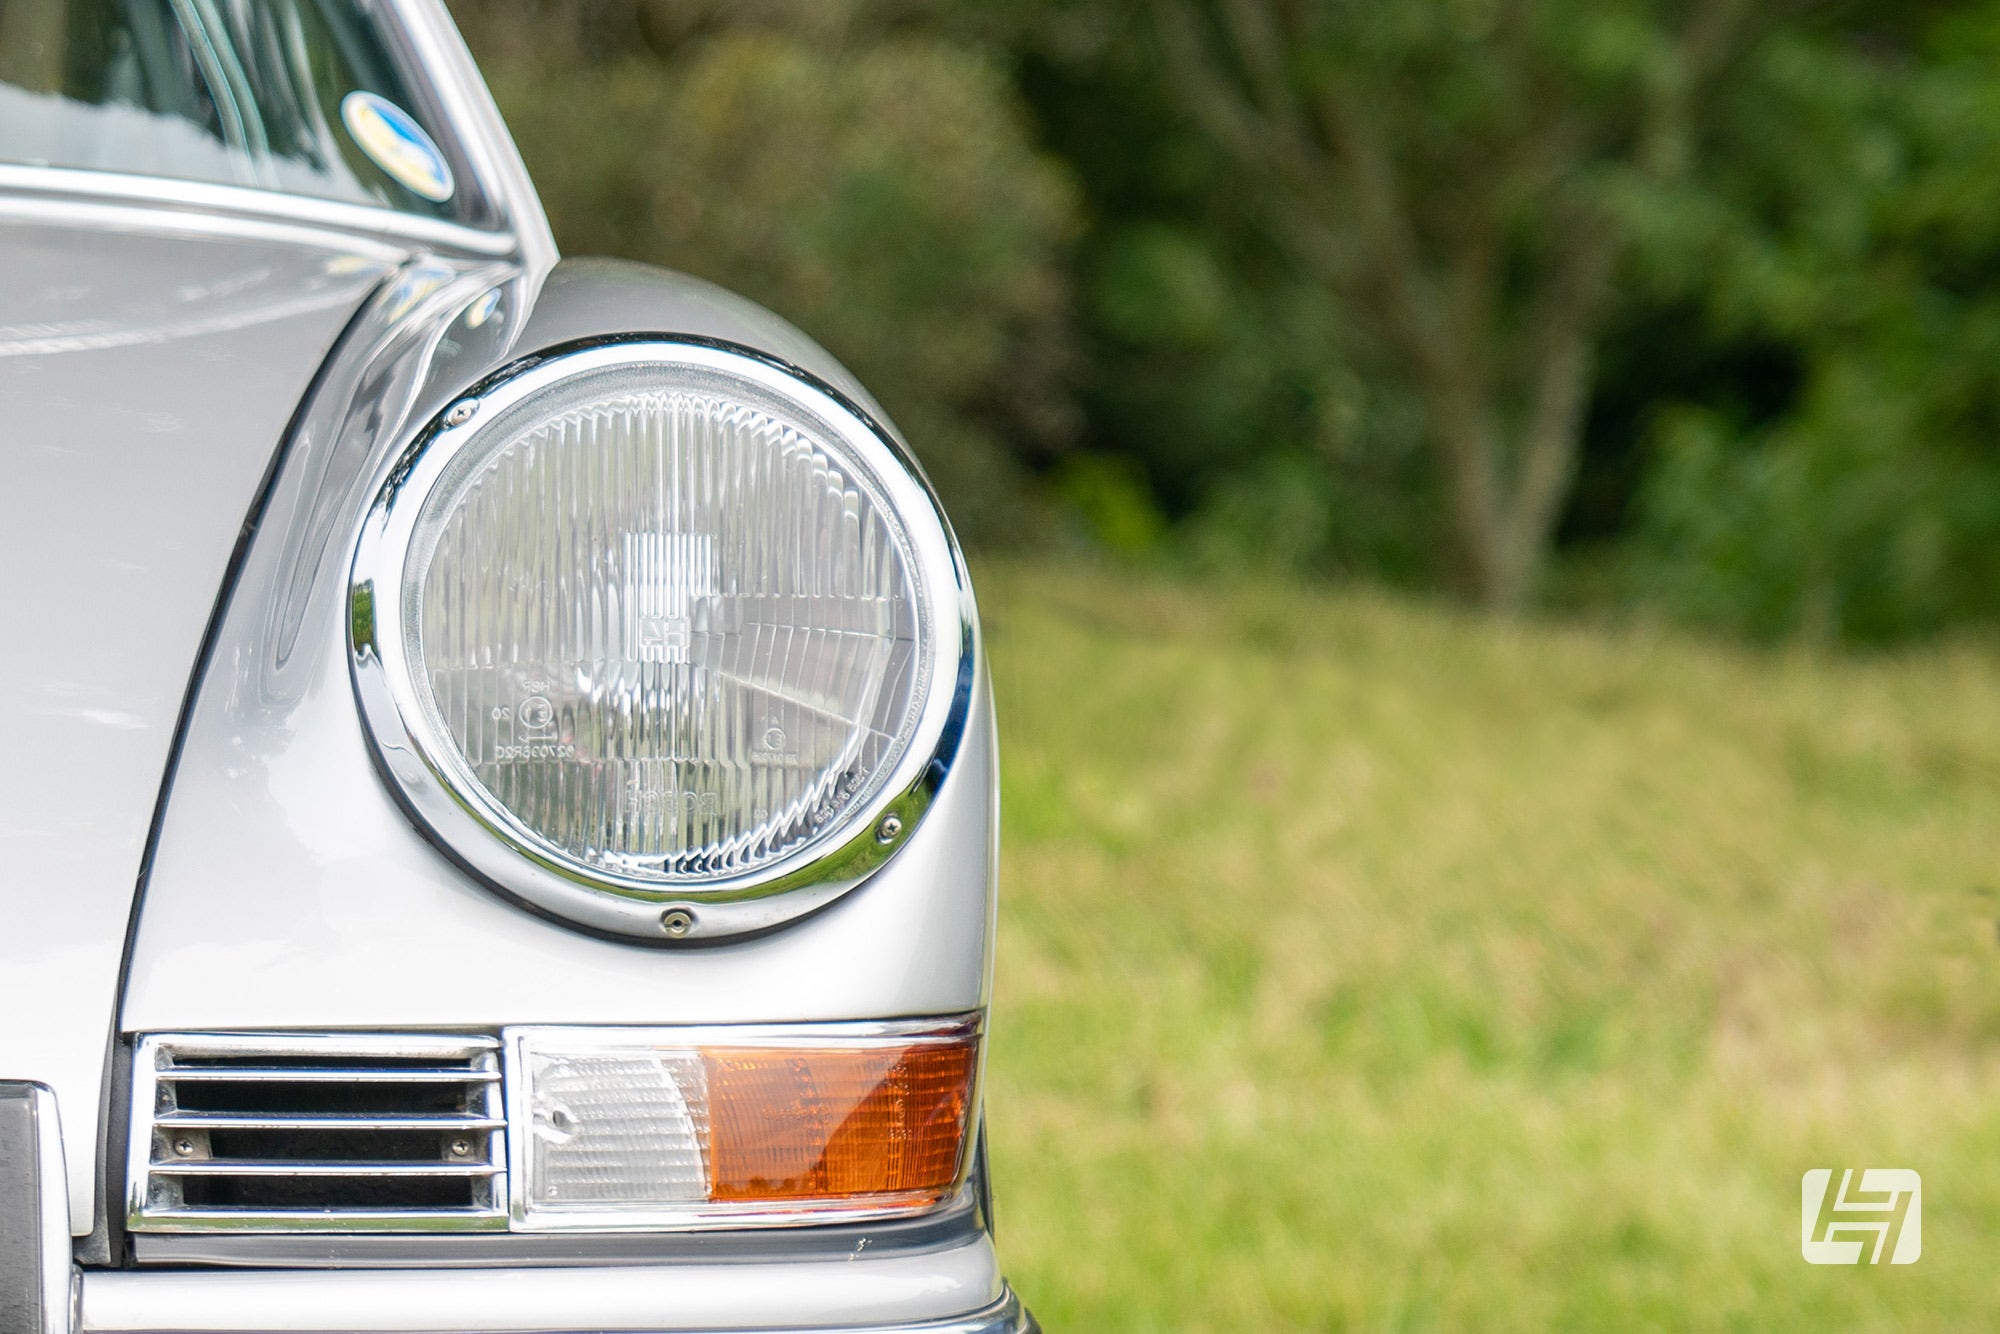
<point>500,827</point>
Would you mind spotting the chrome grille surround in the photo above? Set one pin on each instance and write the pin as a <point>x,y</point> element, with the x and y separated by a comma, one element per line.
<point>317,1133</point>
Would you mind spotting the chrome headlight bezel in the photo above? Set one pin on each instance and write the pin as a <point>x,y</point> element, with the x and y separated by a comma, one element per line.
<point>429,778</point>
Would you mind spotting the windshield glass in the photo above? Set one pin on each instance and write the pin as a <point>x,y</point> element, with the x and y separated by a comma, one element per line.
<point>302,96</point>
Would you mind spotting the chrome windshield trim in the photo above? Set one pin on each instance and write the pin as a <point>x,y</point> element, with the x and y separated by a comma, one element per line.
<point>204,197</point>
<point>475,118</point>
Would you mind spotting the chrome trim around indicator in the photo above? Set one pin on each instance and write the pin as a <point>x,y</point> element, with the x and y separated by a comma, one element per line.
<point>430,778</point>
<point>722,1217</point>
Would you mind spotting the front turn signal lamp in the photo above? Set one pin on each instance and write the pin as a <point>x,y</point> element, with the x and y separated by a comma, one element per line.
<point>641,1129</point>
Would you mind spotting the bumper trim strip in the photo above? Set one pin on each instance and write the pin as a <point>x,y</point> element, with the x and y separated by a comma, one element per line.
<point>1006,1316</point>
<point>942,1292</point>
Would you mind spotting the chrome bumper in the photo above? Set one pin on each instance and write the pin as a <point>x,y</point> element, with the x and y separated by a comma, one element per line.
<point>1005,1316</point>
<point>955,1290</point>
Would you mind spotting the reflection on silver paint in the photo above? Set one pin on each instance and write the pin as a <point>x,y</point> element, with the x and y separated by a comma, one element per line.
<point>418,328</point>
<point>162,198</point>
<point>290,892</point>
<point>147,379</point>
<point>131,299</point>
<point>899,1292</point>
<point>592,298</point>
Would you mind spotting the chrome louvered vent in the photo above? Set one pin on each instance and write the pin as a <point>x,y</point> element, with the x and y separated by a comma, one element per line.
<point>362,1133</point>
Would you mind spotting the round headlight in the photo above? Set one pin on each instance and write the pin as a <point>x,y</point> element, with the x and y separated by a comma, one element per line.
<point>662,637</point>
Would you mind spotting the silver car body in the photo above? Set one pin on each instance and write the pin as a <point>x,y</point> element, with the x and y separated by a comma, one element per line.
<point>202,388</point>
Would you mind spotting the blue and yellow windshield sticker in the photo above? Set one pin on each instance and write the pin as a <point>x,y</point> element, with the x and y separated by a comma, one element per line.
<point>397,144</point>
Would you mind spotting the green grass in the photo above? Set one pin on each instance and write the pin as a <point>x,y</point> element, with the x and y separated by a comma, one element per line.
<point>1371,966</point>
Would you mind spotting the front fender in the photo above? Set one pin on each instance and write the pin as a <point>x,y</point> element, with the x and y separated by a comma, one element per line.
<point>288,890</point>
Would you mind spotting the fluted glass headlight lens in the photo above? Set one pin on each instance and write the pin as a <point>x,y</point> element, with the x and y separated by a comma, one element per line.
<point>671,627</point>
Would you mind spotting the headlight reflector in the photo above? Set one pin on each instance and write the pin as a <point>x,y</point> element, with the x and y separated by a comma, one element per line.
<point>669,621</point>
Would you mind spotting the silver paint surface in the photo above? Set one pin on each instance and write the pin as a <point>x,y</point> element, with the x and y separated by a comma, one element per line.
<point>145,378</point>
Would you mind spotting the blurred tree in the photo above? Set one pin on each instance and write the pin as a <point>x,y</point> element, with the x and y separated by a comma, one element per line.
<point>1453,169</point>
<point>1219,384</point>
<point>875,185</point>
<point>1854,216</point>
<point>1358,288</point>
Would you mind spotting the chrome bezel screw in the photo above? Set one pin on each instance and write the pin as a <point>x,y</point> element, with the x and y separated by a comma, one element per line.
<point>677,922</point>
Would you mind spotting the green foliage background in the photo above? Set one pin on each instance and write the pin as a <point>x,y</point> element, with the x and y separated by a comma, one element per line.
<point>1366,965</point>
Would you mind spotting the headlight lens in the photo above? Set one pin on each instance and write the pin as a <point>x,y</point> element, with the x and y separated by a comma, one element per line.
<point>669,621</point>
<point>669,630</point>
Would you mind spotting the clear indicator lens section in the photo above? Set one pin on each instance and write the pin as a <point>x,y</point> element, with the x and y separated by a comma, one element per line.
<point>672,632</point>
<point>616,1130</point>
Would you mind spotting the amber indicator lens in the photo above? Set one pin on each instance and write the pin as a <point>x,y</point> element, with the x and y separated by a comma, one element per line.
<point>626,1129</point>
<point>838,1124</point>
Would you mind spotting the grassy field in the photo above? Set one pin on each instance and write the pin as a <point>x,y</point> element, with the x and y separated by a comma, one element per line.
<point>1368,966</point>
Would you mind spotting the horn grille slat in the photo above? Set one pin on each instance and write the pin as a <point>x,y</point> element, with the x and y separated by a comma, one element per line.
<point>323,1133</point>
